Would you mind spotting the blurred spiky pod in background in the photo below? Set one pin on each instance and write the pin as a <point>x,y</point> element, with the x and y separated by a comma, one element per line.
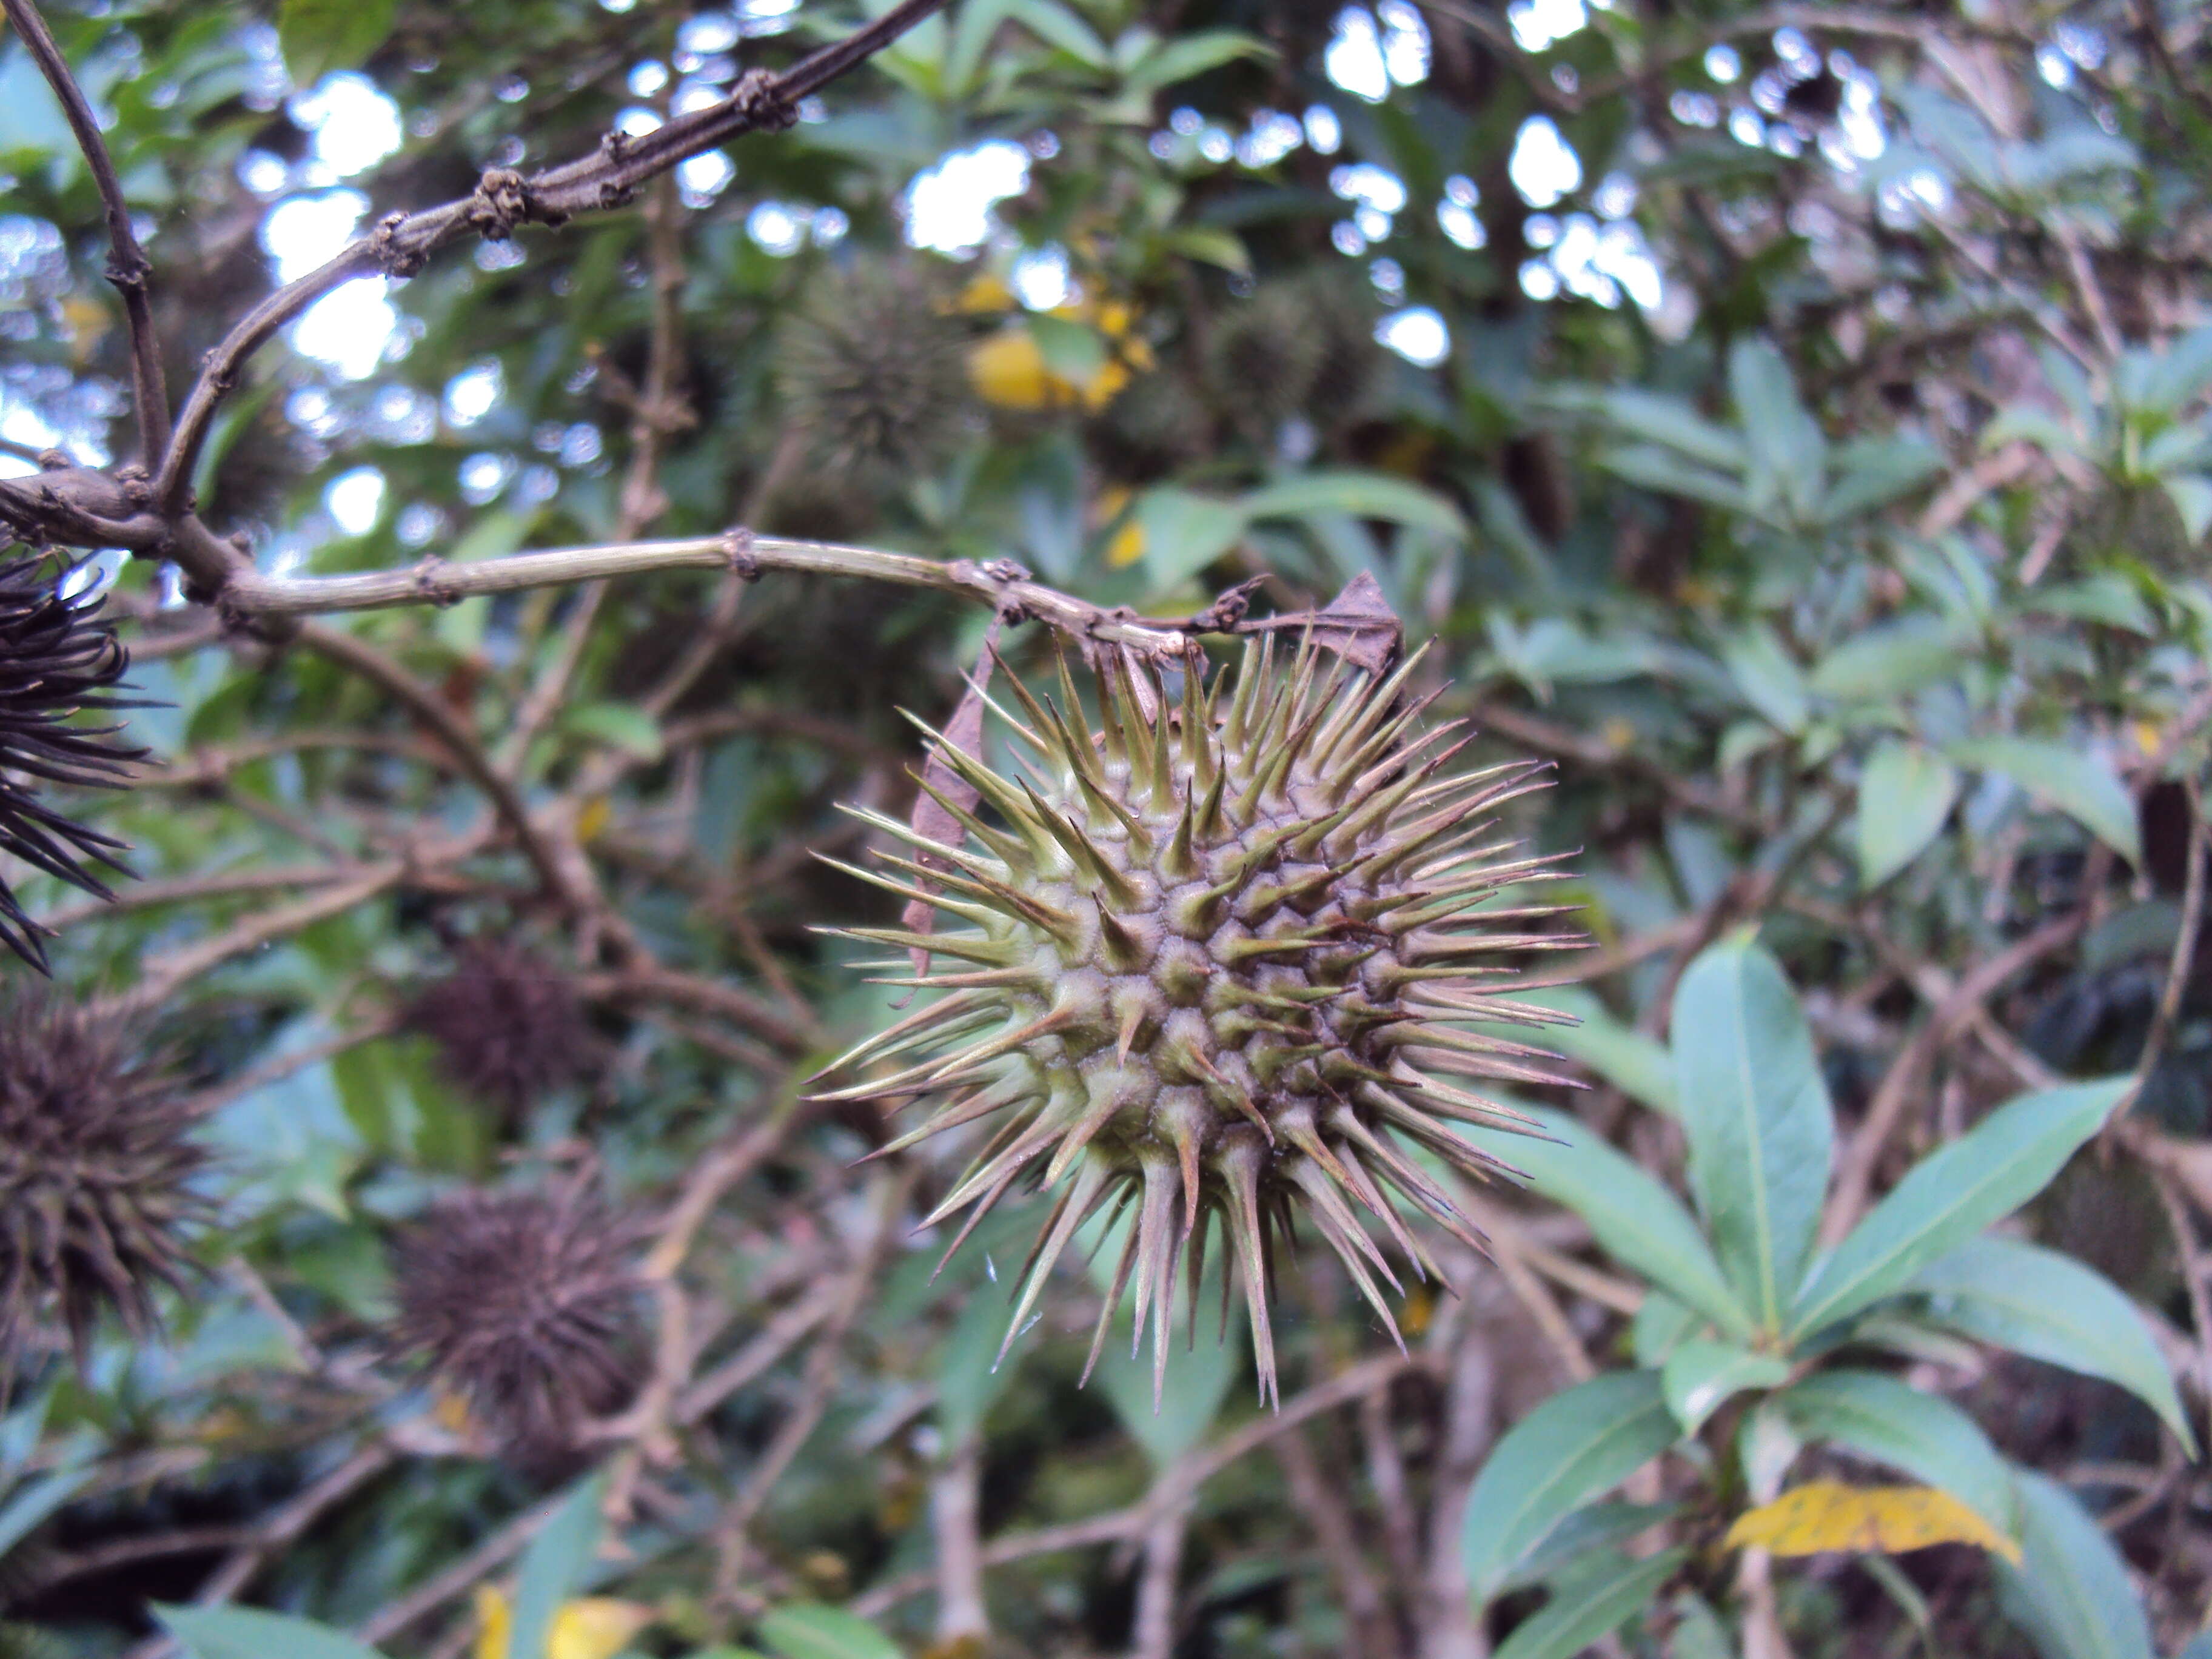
<point>526,1307</point>
<point>509,1026</point>
<point>97,1162</point>
<point>1157,426</point>
<point>57,658</point>
<point>1340,310</point>
<point>1263,356</point>
<point>1216,954</point>
<point>875,373</point>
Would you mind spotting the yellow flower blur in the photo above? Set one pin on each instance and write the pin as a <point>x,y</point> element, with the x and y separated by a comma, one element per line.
<point>590,1627</point>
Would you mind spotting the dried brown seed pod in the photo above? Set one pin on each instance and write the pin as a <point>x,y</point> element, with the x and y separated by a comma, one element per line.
<point>97,1169</point>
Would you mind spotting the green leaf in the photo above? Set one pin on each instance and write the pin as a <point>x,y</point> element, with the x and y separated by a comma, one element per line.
<point>1885,663</point>
<point>1905,793</point>
<point>250,1633</point>
<point>1188,55</point>
<point>1362,494</point>
<point>556,1564</point>
<point>2070,1591</point>
<point>1057,26</point>
<point>1589,1530</point>
<point>1788,456</point>
<point>1700,1376</point>
<point>1769,677</point>
<point>1952,1194</point>
<point>1922,1434</point>
<point>968,1381</point>
<point>2192,495</point>
<point>1074,351</point>
<point>1575,1447</point>
<point>619,724</point>
<point>2050,1307</point>
<point>2079,783</point>
<point>1638,1222</point>
<point>317,36</point>
<point>1663,470</point>
<point>1875,472</point>
<point>35,1501</point>
<point>1670,421</point>
<point>1595,1605</point>
<point>1756,1112</point>
<point>1639,1065</point>
<point>809,1631</point>
<point>1184,532</point>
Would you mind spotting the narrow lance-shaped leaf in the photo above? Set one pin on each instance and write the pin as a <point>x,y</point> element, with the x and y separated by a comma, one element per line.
<point>1952,1194</point>
<point>1922,1434</point>
<point>1575,1447</point>
<point>2070,1592</point>
<point>1752,1101</point>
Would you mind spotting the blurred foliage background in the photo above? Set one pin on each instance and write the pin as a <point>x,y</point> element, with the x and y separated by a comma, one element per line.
<point>1789,420</point>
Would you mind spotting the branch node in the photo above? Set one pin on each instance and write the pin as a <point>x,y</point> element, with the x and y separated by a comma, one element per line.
<point>758,97</point>
<point>738,549</point>
<point>501,203</point>
<point>392,258</point>
<point>431,583</point>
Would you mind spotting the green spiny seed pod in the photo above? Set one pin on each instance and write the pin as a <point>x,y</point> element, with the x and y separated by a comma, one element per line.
<point>525,1304</point>
<point>97,1162</point>
<point>874,373</point>
<point>1218,961</point>
<point>1154,426</point>
<point>1264,355</point>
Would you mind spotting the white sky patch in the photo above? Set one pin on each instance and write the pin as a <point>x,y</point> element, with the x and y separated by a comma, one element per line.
<point>1323,131</point>
<point>1405,48</point>
<point>354,500</point>
<point>1377,187</point>
<point>307,231</point>
<point>1354,59</point>
<point>1039,278</point>
<point>948,206</point>
<point>349,328</point>
<point>776,228</point>
<point>21,423</point>
<point>473,394</point>
<point>1723,64</point>
<point>355,125</point>
<point>1540,24</point>
<point>1418,334</point>
<point>1544,167</point>
<point>704,176</point>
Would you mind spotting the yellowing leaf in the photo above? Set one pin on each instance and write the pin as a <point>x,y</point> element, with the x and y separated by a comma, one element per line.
<point>985,294</point>
<point>494,1619</point>
<point>1008,371</point>
<point>1127,545</point>
<point>596,1627</point>
<point>1828,1515</point>
<point>592,822</point>
<point>591,1627</point>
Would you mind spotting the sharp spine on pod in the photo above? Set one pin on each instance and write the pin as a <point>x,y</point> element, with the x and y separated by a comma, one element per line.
<point>1211,956</point>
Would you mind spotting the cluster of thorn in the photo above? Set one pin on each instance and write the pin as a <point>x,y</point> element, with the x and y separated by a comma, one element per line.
<point>1217,953</point>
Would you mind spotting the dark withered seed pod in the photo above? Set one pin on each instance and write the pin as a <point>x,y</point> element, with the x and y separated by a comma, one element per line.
<point>1264,356</point>
<point>57,658</point>
<point>508,1025</point>
<point>97,1161</point>
<point>526,1306</point>
<point>874,373</point>
<point>1154,426</point>
<point>1217,964</point>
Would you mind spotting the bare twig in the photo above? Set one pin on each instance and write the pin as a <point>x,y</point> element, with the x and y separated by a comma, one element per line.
<point>127,266</point>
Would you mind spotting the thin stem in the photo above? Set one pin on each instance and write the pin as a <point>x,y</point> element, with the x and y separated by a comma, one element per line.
<point>127,266</point>
<point>608,177</point>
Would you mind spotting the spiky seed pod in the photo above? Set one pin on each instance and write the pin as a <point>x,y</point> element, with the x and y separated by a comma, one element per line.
<point>1342,314</point>
<point>1217,962</point>
<point>874,373</point>
<point>56,658</point>
<point>1155,426</point>
<point>97,1162</point>
<point>509,1026</point>
<point>525,1305</point>
<point>1264,355</point>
